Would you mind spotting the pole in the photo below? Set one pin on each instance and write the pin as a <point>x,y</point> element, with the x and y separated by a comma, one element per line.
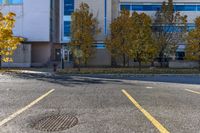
<point>62,57</point>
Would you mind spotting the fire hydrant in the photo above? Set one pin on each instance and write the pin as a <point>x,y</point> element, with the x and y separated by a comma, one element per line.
<point>54,67</point>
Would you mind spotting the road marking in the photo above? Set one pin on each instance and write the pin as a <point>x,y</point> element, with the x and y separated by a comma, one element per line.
<point>25,108</point>
<point>148,87</point>
<point>159,126</point>
<point>196,92</point>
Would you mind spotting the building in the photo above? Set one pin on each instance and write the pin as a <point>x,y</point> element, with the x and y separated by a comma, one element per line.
<point>46,23</point>
<point>32,23</point>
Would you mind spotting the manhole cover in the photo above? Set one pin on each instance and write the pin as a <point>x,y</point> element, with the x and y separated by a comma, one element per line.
<point>56,123</point>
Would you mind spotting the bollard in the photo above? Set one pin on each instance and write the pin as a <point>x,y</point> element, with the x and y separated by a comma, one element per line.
<point>54,67</point>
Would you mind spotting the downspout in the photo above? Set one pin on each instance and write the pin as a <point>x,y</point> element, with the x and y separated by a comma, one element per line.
<point>105,17</point>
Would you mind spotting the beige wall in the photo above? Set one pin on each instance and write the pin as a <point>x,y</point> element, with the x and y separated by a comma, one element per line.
<point>41,54</point>
<point>32,19</point>
<point>100,58</point>
<point>21,57</point>
<point>97,8</point>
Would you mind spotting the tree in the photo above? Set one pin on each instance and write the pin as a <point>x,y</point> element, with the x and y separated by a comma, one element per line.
<point>142,46</point>
<point>83,31</point>
<point>8,42</point>
<point>117,42</point>
<point>193,43</point>
<point>169,28</point>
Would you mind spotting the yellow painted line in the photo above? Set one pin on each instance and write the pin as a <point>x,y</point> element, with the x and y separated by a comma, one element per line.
<point>159,126</point>
<point>24,108</point>
<point>196,92</point>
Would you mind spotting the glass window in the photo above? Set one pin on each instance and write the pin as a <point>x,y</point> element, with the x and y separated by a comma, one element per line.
<point>68,7</point>
<point>168,28</point>
<point>147,8</point>
<point>11,1</point>
<point>194,7</point>
<point>125,7</point>
<point>198,7</point>
<point>15,1</point>
<point>191,26</point>
<point>185,7</point>
<point>99,46</point>
<point>156,7</point>
<point>137,7</point>
<point>67,28</point>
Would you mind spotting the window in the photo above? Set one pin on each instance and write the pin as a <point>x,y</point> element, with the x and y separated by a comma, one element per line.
<point>125,7</point>
<point>11,1</point>
<point>154,7</point>
<point>190,26</point>
<point>67,28</point>
<point>198,7</point>
<point>68,7</point>
<point>168,28</point>
<point>185,8</point>
<point>15,1</point>
<point>137,8</point>
<point>99,46</point>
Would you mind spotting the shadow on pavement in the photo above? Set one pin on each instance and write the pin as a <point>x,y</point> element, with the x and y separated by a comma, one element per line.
<point>63,80</point>
<point>70,80</point>
<point>182,79</point>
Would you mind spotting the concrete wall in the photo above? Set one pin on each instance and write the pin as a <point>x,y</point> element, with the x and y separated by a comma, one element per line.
<point>32,20</point>
<point>41,54</point>
<point>100,58</point>
<point>55,25</point>
<point>183,64</point>
<point>21,57</point>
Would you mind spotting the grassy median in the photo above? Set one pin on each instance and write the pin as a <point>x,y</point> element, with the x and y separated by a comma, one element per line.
<point>128,71</point>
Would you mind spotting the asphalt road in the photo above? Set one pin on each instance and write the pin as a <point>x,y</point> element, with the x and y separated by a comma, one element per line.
<point>100,105</point>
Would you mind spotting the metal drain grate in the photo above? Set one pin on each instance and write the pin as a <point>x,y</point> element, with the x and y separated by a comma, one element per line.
<point>56,123</point>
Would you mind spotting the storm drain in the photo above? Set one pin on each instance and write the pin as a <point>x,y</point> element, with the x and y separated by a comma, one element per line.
<point>56,123</point>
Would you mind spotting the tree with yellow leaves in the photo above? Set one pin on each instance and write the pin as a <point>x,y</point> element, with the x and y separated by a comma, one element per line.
<point>169,28</point>
<point>8,42</point>
<point>142,46</point>
<point>83,31</point>
<point>193,43</point>
<point>118,42</point>
<point>131,37</point>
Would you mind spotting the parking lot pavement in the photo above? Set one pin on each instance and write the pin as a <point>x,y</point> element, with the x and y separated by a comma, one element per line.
<point>99,104</point>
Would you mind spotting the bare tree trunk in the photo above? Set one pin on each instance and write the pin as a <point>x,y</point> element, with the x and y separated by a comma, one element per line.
<point>161,60</point>
<point>79,64</point>
<point>113,61</point>
<point>128,60</point>
<point>124,60</point>
<point>199,62</point>
<point>152,64</point>
<point>140,65</point>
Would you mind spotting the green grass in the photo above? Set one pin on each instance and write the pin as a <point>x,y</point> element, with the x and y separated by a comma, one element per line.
<point>110,70</point>
<point>128,71</point>
<point>3,70</point>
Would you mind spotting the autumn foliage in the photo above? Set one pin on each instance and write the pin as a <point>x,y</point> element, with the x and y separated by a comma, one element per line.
<point>169,28</point>
<point>193,43</point>
<point>131,38</point>
<point>8,42</point>
<point>83,31</point>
